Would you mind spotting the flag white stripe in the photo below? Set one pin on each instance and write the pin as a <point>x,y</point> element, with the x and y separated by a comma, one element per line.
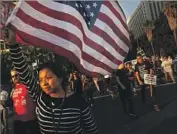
<point>99,56</point>
<point>103,26</point>
<point>117,8</point>
<point>20,25</point>
<point>72,29</point>
<point>37,15</point>
<point>104,9</point>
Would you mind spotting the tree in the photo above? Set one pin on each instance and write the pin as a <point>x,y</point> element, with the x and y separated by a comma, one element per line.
<point>133,49</point>
<point>170,11</point>
<point>162,37</point>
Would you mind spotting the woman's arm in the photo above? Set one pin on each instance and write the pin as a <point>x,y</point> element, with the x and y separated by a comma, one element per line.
<point>88,122</point>
<point>22,67</point>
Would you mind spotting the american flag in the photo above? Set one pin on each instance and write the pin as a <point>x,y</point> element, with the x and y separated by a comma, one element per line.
<point>91,34</point>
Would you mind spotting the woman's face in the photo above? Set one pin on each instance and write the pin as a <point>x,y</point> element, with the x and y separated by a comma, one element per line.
<point>48,81</point>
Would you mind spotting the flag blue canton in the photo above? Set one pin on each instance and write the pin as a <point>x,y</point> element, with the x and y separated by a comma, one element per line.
<point>88,9</point>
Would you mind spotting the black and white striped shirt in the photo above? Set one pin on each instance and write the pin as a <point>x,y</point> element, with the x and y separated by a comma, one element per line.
<point>74,117</point>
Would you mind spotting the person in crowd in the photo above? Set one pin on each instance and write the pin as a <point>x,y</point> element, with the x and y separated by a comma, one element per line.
<point>83,80</point>
<point>125,90</point>
<point>158,64</point>
<point>143,67</point>
<point>58,110</point>
<point>107,81</point>
<point>97,85</point>
<point>77,83</point>
<point>88,87</point>
<point>170,59</point>
<point>70,80</point>
<point>131,76</point>
<point>108,85</point>
<point>175,65</point>
<point>167,68</point>
<point>23,107</point>
<point>4,97</point>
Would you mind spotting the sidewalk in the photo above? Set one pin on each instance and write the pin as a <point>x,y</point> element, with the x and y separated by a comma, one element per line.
<point>156,123</point>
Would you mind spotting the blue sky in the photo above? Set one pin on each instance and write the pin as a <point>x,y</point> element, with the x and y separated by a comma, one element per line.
<point>129,6</point>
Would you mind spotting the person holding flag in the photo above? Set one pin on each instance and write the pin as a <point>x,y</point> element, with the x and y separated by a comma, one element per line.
<point>58,110</point>
<point>91,34</point>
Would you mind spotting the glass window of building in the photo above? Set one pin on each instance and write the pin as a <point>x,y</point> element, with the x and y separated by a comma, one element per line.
<point>155,10</point>
<point>152,15</point>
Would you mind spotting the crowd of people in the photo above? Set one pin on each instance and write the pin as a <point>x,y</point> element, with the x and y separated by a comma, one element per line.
<point>52,103</point>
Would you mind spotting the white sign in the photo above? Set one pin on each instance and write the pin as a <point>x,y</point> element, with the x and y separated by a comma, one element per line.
<point>150,79</point>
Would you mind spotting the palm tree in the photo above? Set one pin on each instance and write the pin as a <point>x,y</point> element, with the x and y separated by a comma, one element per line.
<point>170,10</point>
<point>148,29</point>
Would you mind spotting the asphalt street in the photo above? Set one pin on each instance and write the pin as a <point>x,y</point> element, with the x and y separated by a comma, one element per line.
<point>110,118</point>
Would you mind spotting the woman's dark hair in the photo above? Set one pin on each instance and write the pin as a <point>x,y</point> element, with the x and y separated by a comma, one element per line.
<point>52,67</point>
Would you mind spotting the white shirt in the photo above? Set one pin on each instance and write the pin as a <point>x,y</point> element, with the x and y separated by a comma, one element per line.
<point>166,64</point>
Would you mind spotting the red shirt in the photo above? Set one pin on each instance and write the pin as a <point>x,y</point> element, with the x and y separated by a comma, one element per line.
<point>24,107</point>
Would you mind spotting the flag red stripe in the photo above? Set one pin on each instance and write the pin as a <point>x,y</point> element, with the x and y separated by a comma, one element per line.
<point>117,14</point>
<point>60,33</point>
<point>116,30</point>
<point>57,49</point>
<point>107,38</point>
<point>70,19</point>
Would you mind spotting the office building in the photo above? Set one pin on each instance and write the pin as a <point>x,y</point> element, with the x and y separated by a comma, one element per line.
<point>146,10</point>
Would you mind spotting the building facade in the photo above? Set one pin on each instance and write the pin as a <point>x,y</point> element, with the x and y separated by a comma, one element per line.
<point>146,10</point>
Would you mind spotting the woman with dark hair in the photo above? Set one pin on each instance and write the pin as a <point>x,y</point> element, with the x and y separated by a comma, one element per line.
<point>58,110</point>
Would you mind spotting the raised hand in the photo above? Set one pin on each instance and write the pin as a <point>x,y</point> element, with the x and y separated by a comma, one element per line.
<point>9,36</point>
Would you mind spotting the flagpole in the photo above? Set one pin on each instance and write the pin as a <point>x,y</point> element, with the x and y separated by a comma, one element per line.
<point>153,51</point>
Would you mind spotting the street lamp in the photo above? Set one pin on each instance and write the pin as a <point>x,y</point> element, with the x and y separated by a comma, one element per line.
<point>170,12</point>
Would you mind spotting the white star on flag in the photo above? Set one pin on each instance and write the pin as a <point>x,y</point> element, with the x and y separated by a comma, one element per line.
<point>88,6</point>
<point>91,14</point>
<point>95,5</point>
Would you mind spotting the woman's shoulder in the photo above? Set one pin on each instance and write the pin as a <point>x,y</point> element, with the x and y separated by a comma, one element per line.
<point>75,97</point>
<point>77,100</point>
